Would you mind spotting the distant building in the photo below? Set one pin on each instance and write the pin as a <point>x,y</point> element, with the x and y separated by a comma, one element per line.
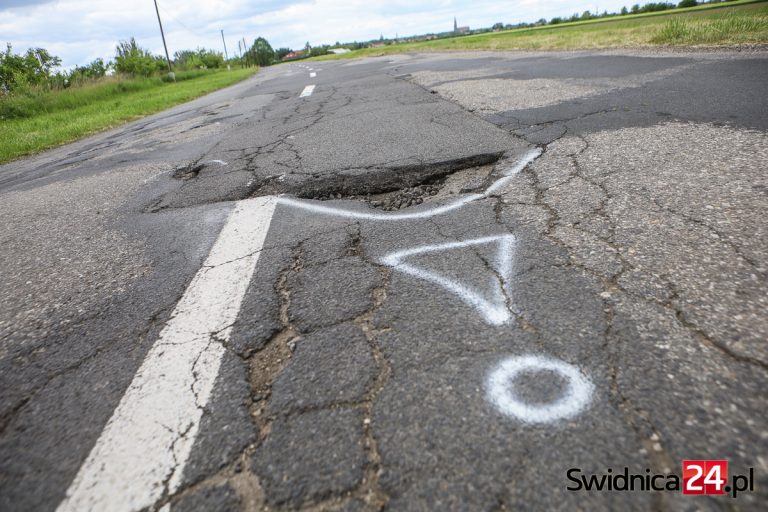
<point>457,29</point>
<point>293,55</point>
<point>338,51</point>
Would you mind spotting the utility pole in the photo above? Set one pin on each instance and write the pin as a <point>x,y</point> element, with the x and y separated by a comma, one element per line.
<point>245,51</point>
<point>162,34</point>
<point>226,55</point>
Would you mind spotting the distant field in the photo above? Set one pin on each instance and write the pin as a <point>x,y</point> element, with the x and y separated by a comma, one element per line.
<point>32,122</point>
<point>732,23</point>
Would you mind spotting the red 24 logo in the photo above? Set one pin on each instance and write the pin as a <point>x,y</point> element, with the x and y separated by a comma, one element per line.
<point>705,476</point>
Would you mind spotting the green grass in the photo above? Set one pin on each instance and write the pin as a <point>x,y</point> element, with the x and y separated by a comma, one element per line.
<point>722,24</point>
<point>39,120</point>
<point>734,28</point>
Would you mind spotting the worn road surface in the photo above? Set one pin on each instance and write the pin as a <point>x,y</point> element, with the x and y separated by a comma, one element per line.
<point>422,282</point>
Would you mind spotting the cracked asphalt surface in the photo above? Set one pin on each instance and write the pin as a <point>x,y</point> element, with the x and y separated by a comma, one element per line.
<point>639,257</point>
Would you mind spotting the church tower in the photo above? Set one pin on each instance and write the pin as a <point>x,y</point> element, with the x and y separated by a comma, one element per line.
<point>455,26</point>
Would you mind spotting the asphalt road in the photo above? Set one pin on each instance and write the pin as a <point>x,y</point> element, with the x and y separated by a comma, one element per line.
<point>429,282</point>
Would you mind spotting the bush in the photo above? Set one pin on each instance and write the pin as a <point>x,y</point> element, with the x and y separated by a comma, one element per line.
<point>134,60</point>
<point>198,59</point>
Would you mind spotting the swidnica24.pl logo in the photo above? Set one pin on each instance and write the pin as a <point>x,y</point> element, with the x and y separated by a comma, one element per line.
<point>698,477</point>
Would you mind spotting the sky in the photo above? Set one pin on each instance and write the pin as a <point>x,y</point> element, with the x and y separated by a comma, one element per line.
<point>79,31</point>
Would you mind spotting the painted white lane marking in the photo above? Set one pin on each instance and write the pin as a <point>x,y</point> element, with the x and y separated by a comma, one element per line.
<point>307,91</point>
<point>495,310</point>
<point>508,175</point>
<point>500,393</point>
<point>312,75</point>
<point>148,439</point>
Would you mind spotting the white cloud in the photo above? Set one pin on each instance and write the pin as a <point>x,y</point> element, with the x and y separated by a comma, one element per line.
<point>80,30</point>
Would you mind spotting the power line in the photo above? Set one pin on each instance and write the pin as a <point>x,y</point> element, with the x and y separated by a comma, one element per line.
<point>176,20</point>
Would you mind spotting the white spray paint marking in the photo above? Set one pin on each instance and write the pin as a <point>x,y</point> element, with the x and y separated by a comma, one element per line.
<point>495,311</point>
<point>220,162</point>
<point>312,75</point>
<point>148,439</point>
<point>499,390</point>
<point>314,207</point>
<point>508,175</point>
<point>307,91</point>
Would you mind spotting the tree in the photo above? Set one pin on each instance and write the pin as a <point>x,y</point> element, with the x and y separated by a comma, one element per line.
<point>687,3</point>
<point>635,9</point>
<point>19,71</point>
<point>319,50</point>
<point>586,15</point>
<point>261,52</point>
<point>624,11</point>
<point>497,26</point>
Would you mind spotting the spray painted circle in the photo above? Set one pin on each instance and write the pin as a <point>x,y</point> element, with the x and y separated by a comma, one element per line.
<point>576,397</point>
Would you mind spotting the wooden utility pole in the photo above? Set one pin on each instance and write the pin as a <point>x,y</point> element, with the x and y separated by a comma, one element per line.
<point>162,34</point>
<point>226,55</point>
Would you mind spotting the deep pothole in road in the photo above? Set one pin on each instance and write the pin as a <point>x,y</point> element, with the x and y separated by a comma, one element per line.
<point>188,172</point>
<point>472,179</point>
<point>382,187</point>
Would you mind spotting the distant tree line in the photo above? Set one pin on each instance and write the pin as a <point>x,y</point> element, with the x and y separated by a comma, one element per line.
<point>635,9</point>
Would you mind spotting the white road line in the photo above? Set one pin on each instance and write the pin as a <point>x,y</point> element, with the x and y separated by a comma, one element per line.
<point>497,185</point>
<point>312,75</point>
<point>307,91</point>
<point>148,439</point>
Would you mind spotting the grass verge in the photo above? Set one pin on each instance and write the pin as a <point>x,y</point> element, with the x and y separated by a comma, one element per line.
<point>32,122</point>
<point>732,23</point>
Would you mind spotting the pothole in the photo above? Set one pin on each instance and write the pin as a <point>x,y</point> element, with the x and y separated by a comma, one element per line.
<point>187,172</point>
<point>386,188</point>
<point>469,180</point>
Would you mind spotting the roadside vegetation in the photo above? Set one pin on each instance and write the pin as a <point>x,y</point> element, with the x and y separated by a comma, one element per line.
<point>714,24</point>
<point>42,106</point>
<point>31,123</point>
